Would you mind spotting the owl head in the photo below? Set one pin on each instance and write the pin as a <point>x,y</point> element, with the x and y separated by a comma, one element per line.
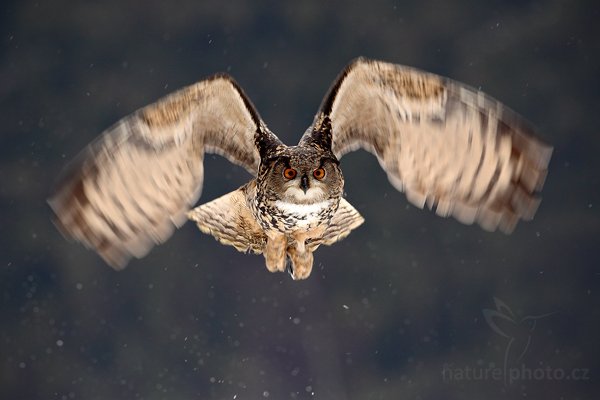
<point>301,175</point>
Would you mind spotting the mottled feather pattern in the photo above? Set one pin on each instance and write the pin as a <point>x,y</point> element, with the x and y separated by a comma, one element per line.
<point>231,222</point>
<point>344,221</point>
<point>444,144</point>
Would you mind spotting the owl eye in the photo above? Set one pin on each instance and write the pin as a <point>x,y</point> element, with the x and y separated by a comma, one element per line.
<point>319,173</point>
<point>289,173</point>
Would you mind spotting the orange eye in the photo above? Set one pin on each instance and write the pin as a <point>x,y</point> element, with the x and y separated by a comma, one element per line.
<point>289,173</point>
<point>319,173</point>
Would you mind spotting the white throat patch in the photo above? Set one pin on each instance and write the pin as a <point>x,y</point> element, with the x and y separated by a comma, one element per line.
<point>303,209</point>
<point>311,194</point>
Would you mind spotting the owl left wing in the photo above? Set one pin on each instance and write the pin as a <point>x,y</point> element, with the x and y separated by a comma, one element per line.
<point>130,188</point>
<point>441,142</point>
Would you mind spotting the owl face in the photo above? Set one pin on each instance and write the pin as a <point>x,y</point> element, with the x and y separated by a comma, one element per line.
<point>301,175</point>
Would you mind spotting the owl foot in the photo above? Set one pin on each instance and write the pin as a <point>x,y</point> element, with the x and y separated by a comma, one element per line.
<point>301,262</point>
<point>274,253</point>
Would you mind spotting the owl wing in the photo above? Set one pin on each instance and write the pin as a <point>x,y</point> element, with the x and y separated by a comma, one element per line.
<point>131,187</point>
<point>442,143</point>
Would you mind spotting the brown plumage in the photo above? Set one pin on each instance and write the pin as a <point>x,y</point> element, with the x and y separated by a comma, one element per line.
<point>442,143</point>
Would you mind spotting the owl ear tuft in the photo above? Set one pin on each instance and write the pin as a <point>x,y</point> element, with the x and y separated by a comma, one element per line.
<point>320,136</point>
<point>266,143</point>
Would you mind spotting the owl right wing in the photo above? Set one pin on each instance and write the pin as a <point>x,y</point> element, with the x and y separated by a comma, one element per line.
<point>441,142</point>
<point>130,188</point>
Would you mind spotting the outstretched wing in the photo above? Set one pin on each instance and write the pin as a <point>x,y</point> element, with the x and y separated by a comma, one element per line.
<point>131,187</point>
<point>441,142</point>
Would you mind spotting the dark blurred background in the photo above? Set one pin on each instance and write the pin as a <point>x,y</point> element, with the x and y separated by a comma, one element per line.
<point>396,310</point>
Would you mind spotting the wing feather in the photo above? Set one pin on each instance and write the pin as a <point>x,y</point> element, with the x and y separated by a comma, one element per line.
<point>443,143</point>
<point>231,222</point>
<point>133,186</point>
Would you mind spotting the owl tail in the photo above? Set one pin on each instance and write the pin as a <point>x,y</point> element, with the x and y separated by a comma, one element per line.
<point>231,222</point>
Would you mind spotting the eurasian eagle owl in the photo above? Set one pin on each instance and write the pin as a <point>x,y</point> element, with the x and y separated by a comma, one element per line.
<point>442,143</point>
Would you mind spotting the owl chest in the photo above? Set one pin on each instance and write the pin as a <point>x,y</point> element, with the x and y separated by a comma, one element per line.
<point>292,217</point>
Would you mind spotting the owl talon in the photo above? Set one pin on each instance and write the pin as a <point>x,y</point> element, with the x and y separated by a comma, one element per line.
<point>289,267</point>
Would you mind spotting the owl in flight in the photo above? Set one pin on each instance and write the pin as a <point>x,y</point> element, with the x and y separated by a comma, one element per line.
<point>442,143</point>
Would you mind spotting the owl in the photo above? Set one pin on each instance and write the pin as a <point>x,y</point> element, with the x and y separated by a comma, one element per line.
<point>442,143</point>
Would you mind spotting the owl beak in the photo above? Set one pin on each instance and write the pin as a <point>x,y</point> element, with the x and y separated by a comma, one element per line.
<point>304,183</point>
